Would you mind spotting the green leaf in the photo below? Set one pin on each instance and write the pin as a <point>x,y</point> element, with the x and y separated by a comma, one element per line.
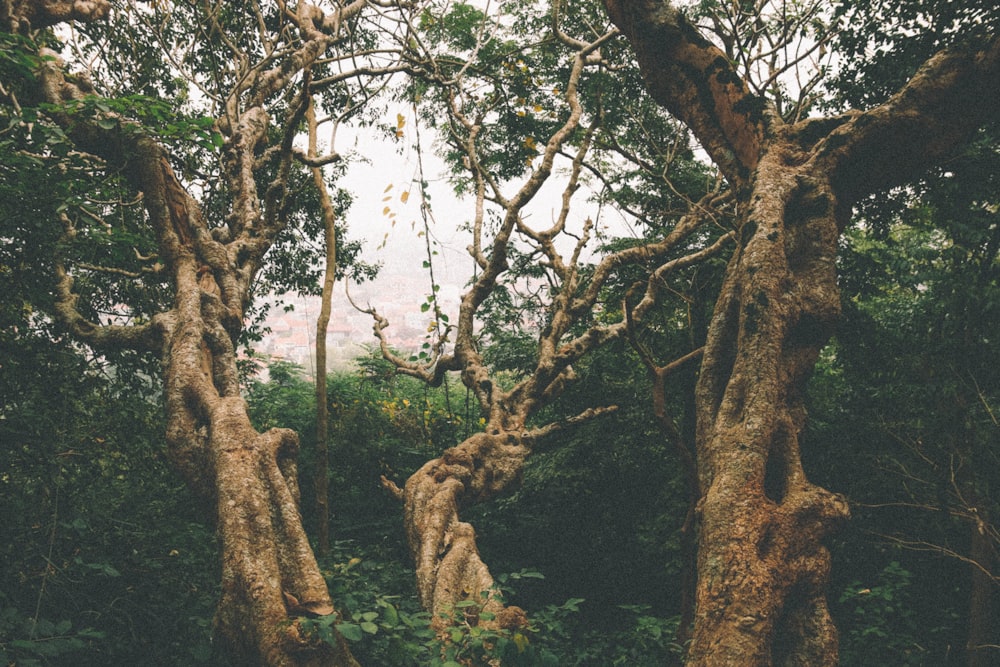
<point>350,631</point>
<point>369,627</point>
<point>390,615</point>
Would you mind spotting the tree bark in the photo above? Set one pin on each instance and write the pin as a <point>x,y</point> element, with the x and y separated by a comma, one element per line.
<point>981,638</point>
<point>449,567</point>
<point>269,574</point>
<point>762,566</point>
<point>322,474</point>
<point>270,577</point>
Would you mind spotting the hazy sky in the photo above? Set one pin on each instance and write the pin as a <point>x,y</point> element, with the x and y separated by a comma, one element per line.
<point>389,180</point>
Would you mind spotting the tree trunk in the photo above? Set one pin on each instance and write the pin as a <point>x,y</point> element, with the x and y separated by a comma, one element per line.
<point>322,474</point>
<point>270,577</point>
<point>761,563</point>
<point>762,566</point>
<point>269,574</point>
<point>980,641</point>
<point>449,567</point>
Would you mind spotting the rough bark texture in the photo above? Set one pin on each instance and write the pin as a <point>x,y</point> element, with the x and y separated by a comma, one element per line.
<point>762,566</point>
<point>449,567</point>
<point>762,569</point>
<point>270,577</point>
<point>25,15</point>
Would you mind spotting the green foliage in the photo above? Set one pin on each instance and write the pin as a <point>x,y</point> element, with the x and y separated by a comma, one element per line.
<point>380,424</point>
<point>104,560</point>
<point>377,612</point>
<point>887,40</point>
<point>34,641</point>
<point>386,424</point>
<point>903,410</point>
<point>610,491</point>
<point>149,116</point>
<point>883,628</point>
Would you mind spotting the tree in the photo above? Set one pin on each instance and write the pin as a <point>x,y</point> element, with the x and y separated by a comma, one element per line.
<point>322,321</point>
<point>514,113</point>
<point>762,565</point>
<point>173,215</point>
<point>192,207</point>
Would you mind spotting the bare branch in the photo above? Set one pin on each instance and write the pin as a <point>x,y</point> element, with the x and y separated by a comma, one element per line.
<point>538,434</point>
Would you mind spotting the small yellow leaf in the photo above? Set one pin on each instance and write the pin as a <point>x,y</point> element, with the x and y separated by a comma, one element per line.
<point>385,211</point>
<point>388,187</point>
<point>404,196</point>
<point>400,121</point>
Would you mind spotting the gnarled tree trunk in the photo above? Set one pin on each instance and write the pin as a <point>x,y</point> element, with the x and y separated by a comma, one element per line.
<point>270,578</point>
<point>449,567</point>
<point>762,566</point>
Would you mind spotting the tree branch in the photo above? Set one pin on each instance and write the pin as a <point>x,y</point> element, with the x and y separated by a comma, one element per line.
<point>32,14</point>
<point>951,95</point>
<point>696,82</point>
